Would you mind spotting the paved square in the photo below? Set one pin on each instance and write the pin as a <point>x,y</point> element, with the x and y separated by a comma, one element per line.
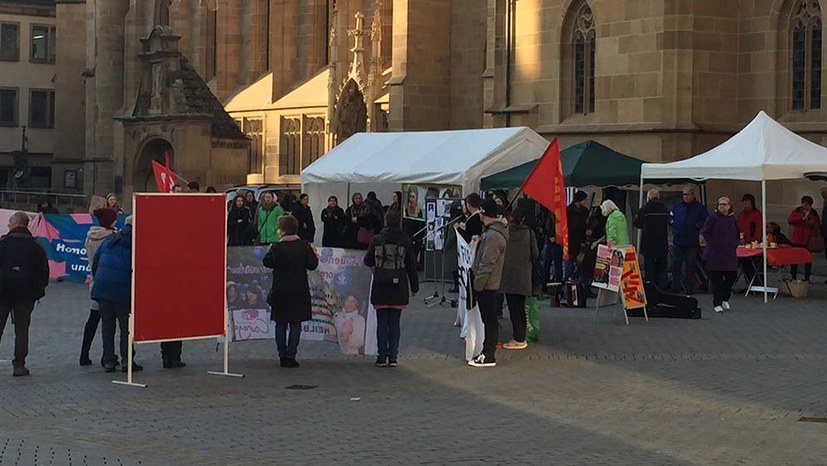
<point>728,389</point>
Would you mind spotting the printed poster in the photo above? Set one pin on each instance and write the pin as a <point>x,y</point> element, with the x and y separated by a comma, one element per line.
<point>631,282</point>
<point>608,268</point>
<point>339,291</point>
<point>416,196</point>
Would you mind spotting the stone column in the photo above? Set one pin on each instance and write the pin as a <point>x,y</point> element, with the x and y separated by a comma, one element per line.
<point>283,49</point>
<point>229,59</point>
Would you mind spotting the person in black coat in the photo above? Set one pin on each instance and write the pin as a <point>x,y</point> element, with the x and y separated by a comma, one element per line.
<point>352,217</point>
<point>472,226</point>
<point>653,220</point>
<point>239,224</point>
<point>578,216</point>
<point>25,275</point>
<point>395,278</point>
<point>335,225</point>
<point>307,226</point>
<point>289,298</point>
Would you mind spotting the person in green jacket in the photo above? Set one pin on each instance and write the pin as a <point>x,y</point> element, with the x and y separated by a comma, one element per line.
<point>617,231</point>
<point>268,217</point>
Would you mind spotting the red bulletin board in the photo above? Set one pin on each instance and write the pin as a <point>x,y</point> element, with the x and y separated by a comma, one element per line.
<point>179,266</point>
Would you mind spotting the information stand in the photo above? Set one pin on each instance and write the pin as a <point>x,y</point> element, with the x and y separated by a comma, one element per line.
<point>171,231</point>
<point>617,270</point>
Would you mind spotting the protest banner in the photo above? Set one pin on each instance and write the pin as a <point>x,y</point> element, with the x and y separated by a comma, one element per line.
<point>468,312</point>
<point>339,291</point>
<point>63,236</point>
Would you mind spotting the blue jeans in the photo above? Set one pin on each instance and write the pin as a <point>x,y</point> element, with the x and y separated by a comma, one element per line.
<point>552,253</point>
<point>288,347</point>
<point>388,333</point>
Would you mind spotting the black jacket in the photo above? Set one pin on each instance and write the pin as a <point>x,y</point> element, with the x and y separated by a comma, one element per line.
<point>240,230</point>
<point>335,228</point>
<point>399,294</point>
<point>653,219</point>
<point>21,253</point>
<point>289,297</point>
<point>307,226</point>
<point>473,227</point>
<point>578,218</point>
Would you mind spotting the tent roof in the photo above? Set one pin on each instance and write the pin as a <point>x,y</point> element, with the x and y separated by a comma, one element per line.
<point>763,150</point>
<point>441,157</point>
<point>586,164</point>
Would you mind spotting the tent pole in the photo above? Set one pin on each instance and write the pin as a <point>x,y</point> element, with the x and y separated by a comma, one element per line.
<point>764,233</point>
<point>638,231</point>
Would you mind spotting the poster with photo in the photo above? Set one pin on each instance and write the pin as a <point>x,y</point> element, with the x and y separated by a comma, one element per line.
<point>339,292</point>
<point>416,196</point>
<point>438,217</point>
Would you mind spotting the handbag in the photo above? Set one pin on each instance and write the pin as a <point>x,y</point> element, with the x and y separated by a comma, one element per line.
<point>364,236</point>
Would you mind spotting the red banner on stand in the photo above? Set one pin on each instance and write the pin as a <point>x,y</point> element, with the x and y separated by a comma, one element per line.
<point>179,263</point>
<point>547,186</point>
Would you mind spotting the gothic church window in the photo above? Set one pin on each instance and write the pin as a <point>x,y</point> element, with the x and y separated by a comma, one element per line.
<point>806,35</point>
<point>314,140</point>
<point>290,159</point>
<point>583,43</point>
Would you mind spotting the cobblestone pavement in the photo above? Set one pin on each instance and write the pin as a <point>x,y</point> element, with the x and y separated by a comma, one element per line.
<point>728,389</point>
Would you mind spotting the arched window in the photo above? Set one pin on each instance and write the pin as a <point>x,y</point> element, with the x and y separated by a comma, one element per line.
<point>583,43</point>
<point>162,12</point>
<point>805,41</point>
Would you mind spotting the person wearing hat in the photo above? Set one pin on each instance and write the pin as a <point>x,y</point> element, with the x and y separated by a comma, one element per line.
<point>488,269</point>
<point>577,214</point>
<point>106,218</point>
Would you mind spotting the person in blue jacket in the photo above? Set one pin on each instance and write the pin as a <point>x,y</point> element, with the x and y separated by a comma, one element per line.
<point>686,218</point>
<point>112,289</point>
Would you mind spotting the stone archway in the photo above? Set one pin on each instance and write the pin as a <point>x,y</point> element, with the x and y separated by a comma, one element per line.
<point>143,177</point>
<point>351,112</point>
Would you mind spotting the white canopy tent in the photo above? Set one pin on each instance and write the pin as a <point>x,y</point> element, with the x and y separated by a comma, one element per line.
<point>764,150</point>
<point>382,162</point>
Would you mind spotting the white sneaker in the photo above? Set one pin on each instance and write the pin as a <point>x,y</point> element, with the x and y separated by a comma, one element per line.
<point>719,309</point>
<point>725,305</point>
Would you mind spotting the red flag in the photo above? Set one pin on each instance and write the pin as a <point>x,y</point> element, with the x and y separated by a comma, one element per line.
<point>164,177</point>
<point>547,186</point>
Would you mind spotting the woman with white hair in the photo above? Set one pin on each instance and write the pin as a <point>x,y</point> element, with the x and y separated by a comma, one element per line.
<point>617,231</point>
<point>722,237</point>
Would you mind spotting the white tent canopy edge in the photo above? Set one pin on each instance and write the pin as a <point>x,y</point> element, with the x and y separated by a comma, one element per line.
<point>764,150</point>
<point>382,162</point>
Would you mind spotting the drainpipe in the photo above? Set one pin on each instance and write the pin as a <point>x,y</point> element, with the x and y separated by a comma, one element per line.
<point>510,26</point>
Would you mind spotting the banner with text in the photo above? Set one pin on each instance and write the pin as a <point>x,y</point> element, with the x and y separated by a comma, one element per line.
<point>64,238</point>
<point>339,291</point>
<point>468,312</point>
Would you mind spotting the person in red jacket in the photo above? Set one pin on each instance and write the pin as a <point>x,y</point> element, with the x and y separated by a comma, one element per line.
<point>805,223</point>
<point>750,220</point>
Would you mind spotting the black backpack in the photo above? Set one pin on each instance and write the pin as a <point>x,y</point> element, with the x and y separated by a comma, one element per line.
<point>390,265</point>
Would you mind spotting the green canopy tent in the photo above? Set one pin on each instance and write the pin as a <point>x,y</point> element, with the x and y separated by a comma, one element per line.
<point>586,164</point>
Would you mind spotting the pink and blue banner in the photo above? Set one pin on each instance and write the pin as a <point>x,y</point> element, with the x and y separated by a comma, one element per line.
<point>64,238</point>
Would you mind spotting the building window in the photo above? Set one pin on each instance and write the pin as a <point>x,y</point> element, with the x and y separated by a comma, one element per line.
<point>583,41</point>
<point>806,34</point>
<point>255,130</point>
<point>9,42</point>
<point>43,44</point>
<point>212,45</point>
<point>8,107</point>
<point>42,108</point>
<point>314,141</point>
<point>291,135</point>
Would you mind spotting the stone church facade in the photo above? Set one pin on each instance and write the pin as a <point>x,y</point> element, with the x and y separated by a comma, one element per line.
<point>658,79</point>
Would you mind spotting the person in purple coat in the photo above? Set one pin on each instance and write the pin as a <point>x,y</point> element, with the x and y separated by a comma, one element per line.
<point>722,238</point>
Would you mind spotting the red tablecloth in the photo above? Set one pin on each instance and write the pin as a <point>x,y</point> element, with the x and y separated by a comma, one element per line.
<point>779,256</point>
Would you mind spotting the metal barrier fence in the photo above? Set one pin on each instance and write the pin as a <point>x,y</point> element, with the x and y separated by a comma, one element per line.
<point>29,200</point>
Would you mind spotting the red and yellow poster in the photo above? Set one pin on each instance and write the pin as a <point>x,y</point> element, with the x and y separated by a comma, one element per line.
<point>631,283</point>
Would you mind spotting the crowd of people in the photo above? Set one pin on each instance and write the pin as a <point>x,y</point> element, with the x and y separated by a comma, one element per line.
<point>517,252</point>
